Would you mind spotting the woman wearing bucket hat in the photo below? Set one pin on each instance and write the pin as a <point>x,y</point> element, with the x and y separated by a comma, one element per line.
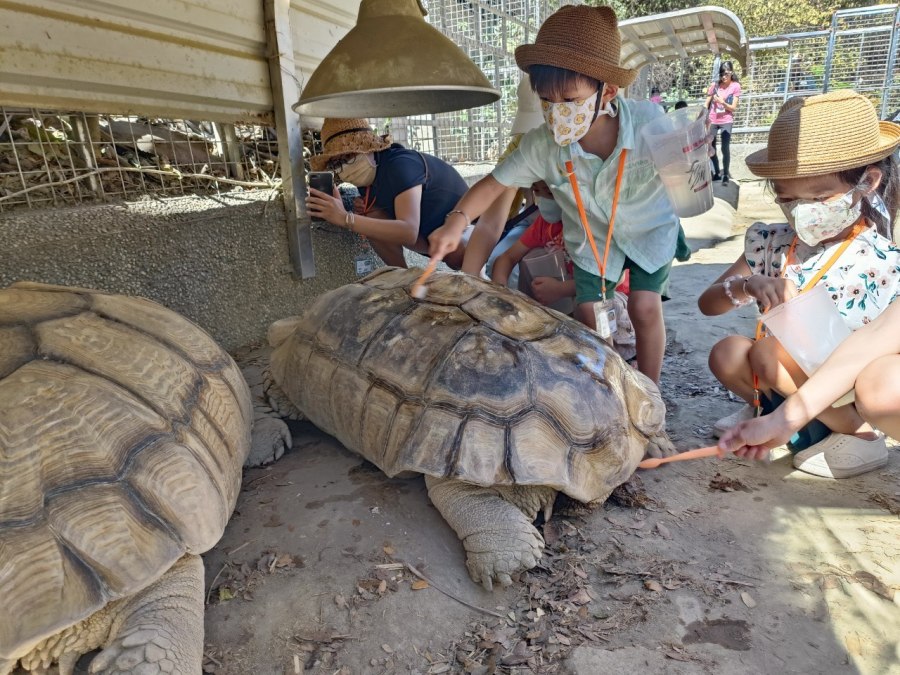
<point>405,194</point>
<point>575,69</point>
<point>833,169</point>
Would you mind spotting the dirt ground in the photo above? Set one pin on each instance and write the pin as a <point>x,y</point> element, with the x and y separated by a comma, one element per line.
<point>698,567</point>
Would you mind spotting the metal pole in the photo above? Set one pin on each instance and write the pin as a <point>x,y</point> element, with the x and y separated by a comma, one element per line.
<point>892,59</point>
<point>829,54</point>
<point>285,91</point>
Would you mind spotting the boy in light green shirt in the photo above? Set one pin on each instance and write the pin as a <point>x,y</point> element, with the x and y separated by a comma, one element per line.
<point>574,68</point>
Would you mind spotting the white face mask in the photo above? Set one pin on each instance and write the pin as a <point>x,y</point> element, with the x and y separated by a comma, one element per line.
<point>360,170</point>
<point>570,121</point>
<point>815,221</point>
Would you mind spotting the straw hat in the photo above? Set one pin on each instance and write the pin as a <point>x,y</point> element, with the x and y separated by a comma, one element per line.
<point>579,38</point>
<point>345,137</point>
<point>824,134</point>
<point>528,110</point>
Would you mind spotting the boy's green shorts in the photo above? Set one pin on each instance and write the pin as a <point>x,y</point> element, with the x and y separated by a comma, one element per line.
<point>587,285</point>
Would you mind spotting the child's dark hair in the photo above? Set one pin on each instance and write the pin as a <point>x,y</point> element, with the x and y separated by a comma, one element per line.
<point>680,104</point>
<point>654,90</point>
<point>728,66</point>
<point>552,81</point>
<point>888,189</point>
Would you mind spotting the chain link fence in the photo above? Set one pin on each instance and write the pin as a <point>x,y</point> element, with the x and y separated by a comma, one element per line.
<point>53,158</point>
<point>858,51</point>
<point>488,31</point>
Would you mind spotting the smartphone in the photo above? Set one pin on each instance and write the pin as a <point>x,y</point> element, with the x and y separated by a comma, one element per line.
<point>322,181</point>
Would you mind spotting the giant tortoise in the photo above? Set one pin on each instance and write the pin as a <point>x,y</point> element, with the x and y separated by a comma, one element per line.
<point>123,428</point>
<point>498,401</point>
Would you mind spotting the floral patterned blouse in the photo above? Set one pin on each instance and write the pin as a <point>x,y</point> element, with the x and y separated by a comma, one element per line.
<point>862,282</point>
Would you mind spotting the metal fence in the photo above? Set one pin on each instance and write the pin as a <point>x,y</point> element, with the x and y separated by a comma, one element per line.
<point>858,51</point>
<point>54,158</point>
<point>57,158</point>
<point>488,32</point>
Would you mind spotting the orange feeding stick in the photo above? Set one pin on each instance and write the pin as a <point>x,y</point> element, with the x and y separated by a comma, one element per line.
<point>418,289</point>
<point>711,451</point>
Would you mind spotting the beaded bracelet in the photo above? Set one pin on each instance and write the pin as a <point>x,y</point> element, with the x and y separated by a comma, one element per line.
<point>734,301</point>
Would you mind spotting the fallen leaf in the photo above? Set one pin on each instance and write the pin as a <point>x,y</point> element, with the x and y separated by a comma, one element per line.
<point>748,599</point>
<point>389,550</point>
<point>419,584</point>
<point>854,644</point>
<point>663,531</point>
<point>518,656</point>
<point>874,584</point>
<point>676,656</point>
<point>340,601</point>
<point>652,585</point>
<point>439,668</point>
<point>580,597</point>
<point>225,594</point>
<point>387,648</point>
<point>727,484</point>
<point>382,587</point>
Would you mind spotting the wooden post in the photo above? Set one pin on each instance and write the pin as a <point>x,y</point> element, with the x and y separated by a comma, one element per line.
<point>233,154</point>
<point>285,92</point>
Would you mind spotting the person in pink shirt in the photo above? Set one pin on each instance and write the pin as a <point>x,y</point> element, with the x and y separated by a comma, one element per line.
<point>721,101</point>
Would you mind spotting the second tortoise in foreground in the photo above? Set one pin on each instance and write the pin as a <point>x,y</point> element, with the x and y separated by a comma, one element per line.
<point>498,401</point>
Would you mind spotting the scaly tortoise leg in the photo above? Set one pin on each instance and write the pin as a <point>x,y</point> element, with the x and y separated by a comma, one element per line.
<point>160,629</point>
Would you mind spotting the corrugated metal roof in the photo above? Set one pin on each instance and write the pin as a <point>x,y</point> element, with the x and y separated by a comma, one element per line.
<point>204,59</point>
<point>682,34</point>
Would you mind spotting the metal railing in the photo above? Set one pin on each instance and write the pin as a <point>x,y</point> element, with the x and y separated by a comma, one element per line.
<point>858,51</point>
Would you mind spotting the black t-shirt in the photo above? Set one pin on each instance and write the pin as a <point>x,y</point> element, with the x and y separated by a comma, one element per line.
<point>400,169</point>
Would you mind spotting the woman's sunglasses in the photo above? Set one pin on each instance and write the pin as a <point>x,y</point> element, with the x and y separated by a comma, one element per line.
<point>335,163</point>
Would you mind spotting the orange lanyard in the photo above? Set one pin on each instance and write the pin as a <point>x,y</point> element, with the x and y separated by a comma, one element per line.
<point>367,205</point>
<point>601,265</point>
<point>858,228</point>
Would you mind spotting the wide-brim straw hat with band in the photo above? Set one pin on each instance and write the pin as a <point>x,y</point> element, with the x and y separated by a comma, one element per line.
<point>583,39</point>
<point>824,134</point>
<point>346,137</point>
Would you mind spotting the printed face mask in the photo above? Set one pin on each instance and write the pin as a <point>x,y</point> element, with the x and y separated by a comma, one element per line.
<point>815,222</point>
<point>570,121</point>
<point>360,171</point>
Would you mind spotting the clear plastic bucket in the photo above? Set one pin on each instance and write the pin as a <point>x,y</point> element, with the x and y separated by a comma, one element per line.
<point>809,327</point>
<point>540,262</point>
<point>679,148</point>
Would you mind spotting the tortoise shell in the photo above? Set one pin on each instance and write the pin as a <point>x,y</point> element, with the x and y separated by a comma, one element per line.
<point>123,429</point>
<point>475,382</point>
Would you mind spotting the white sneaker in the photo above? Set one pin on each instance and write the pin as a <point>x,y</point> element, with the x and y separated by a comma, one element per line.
<point>842,456</point>
<point>735,418</point>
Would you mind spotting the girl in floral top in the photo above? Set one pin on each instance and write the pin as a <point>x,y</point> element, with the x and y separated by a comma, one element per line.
<point>831,166</point>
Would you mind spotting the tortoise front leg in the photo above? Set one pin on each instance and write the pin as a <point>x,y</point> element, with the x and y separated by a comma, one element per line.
<point>499,539</point>
<point>160,629</point>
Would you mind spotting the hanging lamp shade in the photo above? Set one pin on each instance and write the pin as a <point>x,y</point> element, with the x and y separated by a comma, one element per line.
<point>393,63</point>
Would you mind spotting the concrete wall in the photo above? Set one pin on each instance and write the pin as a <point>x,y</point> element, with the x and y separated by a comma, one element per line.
<point>221,261</point>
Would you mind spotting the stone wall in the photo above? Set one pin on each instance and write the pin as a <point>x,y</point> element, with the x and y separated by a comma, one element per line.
<point>221,261</point>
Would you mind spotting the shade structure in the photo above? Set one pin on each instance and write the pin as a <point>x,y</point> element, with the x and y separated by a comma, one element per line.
<point>393,63</point>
